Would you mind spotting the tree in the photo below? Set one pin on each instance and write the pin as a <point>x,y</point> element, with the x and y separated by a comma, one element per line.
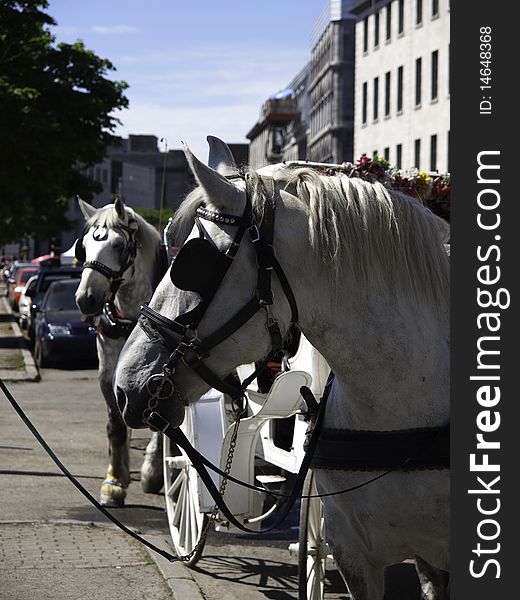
<point>56,113</point>
<point>155,217</point>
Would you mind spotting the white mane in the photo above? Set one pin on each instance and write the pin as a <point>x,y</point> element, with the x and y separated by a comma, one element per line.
<point>385,237</point>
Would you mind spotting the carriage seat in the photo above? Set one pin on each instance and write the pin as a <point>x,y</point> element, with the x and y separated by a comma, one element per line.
<point>282,401</point>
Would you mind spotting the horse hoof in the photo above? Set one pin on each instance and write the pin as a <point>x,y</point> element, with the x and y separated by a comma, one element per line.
<point>112,494</point>
<point>151,484</point>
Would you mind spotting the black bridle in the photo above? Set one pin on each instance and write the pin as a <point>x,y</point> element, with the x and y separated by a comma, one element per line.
<point>180,336</point>
<point>111,324</point>
<point>128,255</point>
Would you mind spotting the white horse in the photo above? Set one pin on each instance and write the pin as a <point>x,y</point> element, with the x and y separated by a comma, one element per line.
<point>123,262</point>
<point>371,279</point>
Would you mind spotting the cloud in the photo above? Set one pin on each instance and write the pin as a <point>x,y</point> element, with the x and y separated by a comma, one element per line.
<point>66,30</point>
<point>212,77</point>
<point>114,29</point>
<point>189,94</point>
<point>189,124</point>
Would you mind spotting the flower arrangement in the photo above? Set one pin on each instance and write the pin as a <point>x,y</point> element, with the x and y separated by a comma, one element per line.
<point>431,189</point>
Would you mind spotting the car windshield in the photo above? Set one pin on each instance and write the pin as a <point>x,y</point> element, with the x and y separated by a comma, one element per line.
<point>58,277</point>
<point>25,276</point>
<point>61,295</point>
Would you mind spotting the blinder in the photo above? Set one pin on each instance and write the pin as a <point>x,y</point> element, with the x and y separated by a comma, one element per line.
<point>197,266</point>
<point>79,250</point>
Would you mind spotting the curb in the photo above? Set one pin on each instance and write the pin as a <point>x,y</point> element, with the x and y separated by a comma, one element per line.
<point>176,575</point>
<point>30,372</point>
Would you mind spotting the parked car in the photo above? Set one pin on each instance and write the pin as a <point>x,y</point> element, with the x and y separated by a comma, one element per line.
<point>24,304</point>
<point>21,277</point>
<point>10,275</point>
<point>59,333</point>
<point>46,276</point>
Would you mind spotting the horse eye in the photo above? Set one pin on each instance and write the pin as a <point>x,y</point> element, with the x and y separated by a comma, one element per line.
<point>117,244</point>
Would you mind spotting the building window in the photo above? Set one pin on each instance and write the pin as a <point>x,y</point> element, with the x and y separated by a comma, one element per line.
<point>418,12</point>
<point>376,98</point>
<point>433,153</point>
<point>387,94</point>
<point>399,89</point>
<point>365,35</point>
<point>399,156</point>
<point>400,17</point>
<point>435,73</point>
<point>376,29</point>
<point>374,153</point>
<point>388,21</point>
<point>417,154</point>
<point>387,154</point>
<point>364,104</point>
<point>448,153</point>
<point>435,8</point>
<point>418,81</point>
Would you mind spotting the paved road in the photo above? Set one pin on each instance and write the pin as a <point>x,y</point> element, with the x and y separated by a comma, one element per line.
<point>67,408</point>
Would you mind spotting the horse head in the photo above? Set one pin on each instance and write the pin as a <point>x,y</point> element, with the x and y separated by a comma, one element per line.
<point>107,248</point>
<point>212,279</point>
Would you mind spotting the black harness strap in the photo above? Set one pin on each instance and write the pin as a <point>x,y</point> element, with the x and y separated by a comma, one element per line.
<point>196,350</point>
<point>426,448</point>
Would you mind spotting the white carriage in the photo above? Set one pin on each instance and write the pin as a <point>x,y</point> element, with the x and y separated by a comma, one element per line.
<point>206,425</point>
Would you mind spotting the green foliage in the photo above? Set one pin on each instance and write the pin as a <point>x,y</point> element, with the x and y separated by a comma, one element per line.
<point>56,112</point>
<point>154,216</point>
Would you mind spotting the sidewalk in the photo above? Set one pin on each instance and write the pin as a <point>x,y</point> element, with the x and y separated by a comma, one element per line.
<point>61,558</point>
<point>16,361</point>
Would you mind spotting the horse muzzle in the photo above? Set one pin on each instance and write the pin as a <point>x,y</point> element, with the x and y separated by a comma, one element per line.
<point>134,414</point>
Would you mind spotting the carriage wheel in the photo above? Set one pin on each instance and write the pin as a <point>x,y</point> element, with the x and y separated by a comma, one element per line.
<point>186,521</point>
<point>312,549</point>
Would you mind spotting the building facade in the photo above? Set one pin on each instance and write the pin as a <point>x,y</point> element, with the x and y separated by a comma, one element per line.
<point>267,137</point>
<point>313,118</point>
<point>331,87</point>
<point>295,133</point>
<point>402,89</point>
<point>143,175</point>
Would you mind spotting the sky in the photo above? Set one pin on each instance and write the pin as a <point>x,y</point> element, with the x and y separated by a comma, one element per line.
<point>194,67</point>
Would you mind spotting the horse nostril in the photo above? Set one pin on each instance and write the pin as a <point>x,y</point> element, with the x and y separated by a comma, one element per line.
<point>120,399</point>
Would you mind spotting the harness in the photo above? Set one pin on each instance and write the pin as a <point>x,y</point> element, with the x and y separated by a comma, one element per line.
<point>111,323</point>
<point>201,267</point>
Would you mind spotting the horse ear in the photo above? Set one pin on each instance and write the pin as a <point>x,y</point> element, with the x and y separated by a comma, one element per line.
<point>119,205</point>
<point>87,209</point>
<point>220,157</point>
<point>221,192</point>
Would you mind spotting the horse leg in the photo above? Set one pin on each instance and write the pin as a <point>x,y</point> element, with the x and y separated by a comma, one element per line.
<point>152,469</point>
<point>364,580</point>
<point>113,488</point>
<point>434,582</point>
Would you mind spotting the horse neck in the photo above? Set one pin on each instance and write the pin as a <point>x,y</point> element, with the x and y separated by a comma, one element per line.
<point>391,364</point>
<point>390,358</point>
<point>138,284</point>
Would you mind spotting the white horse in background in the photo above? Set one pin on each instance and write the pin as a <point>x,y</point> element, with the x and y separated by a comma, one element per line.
<point>115,233</point>
<point>370,275</point>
